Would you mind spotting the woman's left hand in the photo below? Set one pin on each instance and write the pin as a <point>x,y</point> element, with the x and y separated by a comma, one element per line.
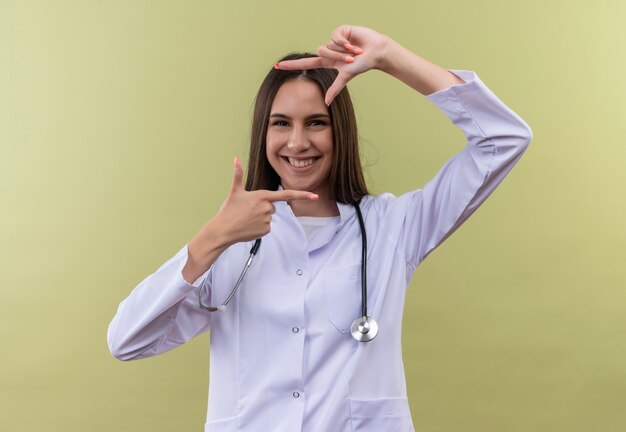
<point>352,50</point>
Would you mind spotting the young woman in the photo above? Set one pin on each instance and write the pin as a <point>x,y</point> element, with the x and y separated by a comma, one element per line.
<point>311,338</point>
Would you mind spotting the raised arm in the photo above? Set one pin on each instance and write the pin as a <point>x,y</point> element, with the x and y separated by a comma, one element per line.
<point>162,312</point>
<point>496,137</point>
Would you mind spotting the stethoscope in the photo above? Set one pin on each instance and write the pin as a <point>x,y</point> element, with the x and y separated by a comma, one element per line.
<point>363,329</point>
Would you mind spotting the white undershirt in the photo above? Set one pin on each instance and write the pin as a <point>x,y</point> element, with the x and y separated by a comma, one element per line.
<point>313,224</point>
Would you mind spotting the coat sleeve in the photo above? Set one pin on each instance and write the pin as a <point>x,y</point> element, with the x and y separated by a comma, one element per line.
<point>496,139</point>
<point>161,313</point>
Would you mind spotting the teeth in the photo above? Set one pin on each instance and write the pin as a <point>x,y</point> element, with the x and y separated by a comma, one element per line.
<point>301,163</point>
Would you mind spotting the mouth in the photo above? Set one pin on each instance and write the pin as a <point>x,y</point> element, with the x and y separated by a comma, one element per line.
<point>300,162</point>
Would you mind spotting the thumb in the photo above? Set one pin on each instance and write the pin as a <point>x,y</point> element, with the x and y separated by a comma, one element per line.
<point>336,87</point>
<point>237,176</point>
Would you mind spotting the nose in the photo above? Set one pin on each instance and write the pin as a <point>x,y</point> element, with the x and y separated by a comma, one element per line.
<point>298,139</point>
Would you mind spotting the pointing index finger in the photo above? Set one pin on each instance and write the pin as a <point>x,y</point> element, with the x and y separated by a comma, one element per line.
<point>300,64</point>
<point>289,195</point>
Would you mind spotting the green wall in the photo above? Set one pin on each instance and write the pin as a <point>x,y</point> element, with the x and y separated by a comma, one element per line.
<point>119,121</point>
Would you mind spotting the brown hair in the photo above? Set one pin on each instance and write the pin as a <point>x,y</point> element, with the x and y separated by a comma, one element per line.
<point>346,181</point>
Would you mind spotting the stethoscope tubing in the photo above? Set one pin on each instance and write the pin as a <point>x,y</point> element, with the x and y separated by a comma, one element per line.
<point>363,261</point>
<point>222,307</point>
<point>363,329</point>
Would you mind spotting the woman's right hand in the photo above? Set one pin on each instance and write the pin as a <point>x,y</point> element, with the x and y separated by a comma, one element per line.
<point>243,216</point>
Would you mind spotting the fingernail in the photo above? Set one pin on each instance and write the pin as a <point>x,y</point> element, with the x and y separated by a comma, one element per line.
<point>349,59</point>
<point>348,45</point>
<point>276,65</point>
<point>358,51</point>
<point>314,196</point>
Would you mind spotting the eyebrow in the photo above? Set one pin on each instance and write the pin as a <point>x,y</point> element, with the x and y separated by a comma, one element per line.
<point>316,115</point>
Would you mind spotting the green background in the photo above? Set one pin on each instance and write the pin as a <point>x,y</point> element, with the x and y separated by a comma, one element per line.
<point>119,121</point>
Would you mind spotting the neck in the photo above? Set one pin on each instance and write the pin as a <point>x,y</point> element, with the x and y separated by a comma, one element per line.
<point>320,207</point>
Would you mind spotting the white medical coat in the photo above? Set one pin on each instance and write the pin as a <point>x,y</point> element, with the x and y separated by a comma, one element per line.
<point>282,357</point>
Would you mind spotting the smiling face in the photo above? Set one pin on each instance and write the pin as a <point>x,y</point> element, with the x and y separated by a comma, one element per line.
<point>299,140</point>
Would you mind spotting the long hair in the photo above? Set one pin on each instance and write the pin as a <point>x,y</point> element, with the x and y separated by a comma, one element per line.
<point>346,180</point>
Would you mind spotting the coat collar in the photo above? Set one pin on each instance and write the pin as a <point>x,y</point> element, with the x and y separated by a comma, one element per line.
<point>346,213</point>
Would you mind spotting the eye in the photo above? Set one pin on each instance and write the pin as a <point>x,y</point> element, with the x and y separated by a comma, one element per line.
<point>318,123</point>
<point>279,123</point>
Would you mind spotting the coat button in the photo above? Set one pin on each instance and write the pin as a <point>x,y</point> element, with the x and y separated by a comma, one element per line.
<point>299,272</point>
<point>295,329</point>
<point>296,395</point>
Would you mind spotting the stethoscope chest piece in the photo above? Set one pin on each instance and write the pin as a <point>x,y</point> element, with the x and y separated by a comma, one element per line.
<point>364,329</point>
